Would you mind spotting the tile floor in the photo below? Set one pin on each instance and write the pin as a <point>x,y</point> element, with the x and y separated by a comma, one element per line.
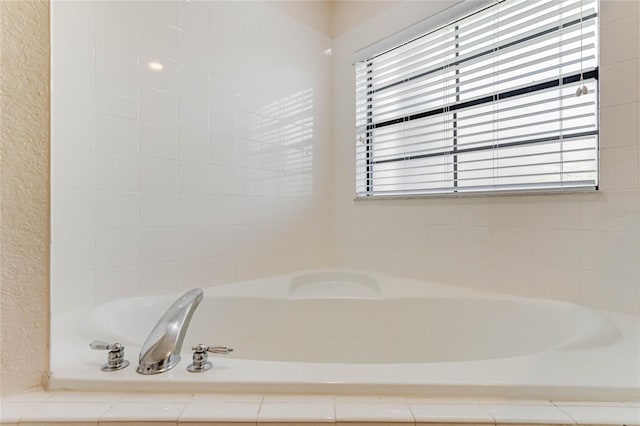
<point>41,408</point>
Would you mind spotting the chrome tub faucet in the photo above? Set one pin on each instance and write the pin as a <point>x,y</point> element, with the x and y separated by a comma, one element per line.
<point>161,350</point>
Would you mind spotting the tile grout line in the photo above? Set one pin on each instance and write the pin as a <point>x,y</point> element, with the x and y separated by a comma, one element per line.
<point>186,405</point>
<point>566,413</point>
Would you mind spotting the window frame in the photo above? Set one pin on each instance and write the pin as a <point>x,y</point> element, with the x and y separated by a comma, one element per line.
<point>454,152</point>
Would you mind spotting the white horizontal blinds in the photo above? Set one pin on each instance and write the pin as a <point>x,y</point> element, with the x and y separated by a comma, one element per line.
<point>486,103</point>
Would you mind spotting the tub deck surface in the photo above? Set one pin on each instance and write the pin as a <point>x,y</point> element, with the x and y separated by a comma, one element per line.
<point>552,350</point>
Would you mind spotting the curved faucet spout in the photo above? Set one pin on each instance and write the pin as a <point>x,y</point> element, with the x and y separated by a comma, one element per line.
<point>161,351</point>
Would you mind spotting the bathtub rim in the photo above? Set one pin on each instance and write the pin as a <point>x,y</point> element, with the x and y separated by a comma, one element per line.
<point>63,377</point>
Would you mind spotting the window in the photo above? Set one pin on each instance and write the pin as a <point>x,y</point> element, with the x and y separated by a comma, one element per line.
<point>503,99</point>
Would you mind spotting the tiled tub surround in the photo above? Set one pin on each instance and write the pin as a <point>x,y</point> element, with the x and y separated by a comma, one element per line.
<point>189,146</point>
<point>143,191</point>
<point>39,407</point>
<point>296,333</point>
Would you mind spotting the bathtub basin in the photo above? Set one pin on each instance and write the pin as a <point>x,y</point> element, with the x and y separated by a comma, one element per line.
<point>349,331</point>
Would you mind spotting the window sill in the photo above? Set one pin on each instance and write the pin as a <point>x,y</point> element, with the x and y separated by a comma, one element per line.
<point>479,194</point>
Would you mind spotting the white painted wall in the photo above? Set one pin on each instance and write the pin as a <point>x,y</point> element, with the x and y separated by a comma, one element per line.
<point>581,248</point>
<point>212,169</point>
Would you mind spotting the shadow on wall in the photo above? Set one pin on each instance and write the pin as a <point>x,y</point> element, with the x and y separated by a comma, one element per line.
<point>294,155</point>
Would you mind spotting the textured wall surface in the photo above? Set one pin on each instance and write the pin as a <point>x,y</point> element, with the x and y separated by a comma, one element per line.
<point>24,202</point>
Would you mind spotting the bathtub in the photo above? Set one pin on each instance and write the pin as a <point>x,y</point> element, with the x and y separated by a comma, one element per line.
<point>346,331</point>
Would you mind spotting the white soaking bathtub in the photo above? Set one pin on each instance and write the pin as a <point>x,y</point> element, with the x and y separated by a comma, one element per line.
<point>344,331</point>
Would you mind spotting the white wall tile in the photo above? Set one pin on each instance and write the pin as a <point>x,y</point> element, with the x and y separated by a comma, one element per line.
<point>619,168</point>
<point>619,40</point>
<point>158,278</point>
<point>222,180</point>
<point>222,269</point>
<point>193,145</point>
<point>223,150</point>
<point>72,88</point>
<point>561,212</point>
<point>158,72</point>
<point>116,135</point>
<point>73,48</point>
<point>164,12</point>
<point>74,250</point>
<point>72,211</point>
<point>192,242</point>
<point>514,244</point>
<point>193,178</point>
<point>157,245</point>
<point>611,211</point>
<point>117,173</point>
<point>70,13</point>
<point>72,289</point>
<point>117,90</point>
<point>72,128</point>
<point>193,17</point>
<point>193,98</point>
<point>249,126</point>
<point>249,210</point>
<point>160,180</point>
<point>116,283</point>
<point>193,273</point>
<point>557,283</point>
<point>193,210</point>
<point>158,175</point>
<point>614,93</point>
<point>618,125</point>
<point>158,38</point>
<point>115,210</point>
<point>249,183</point>
<point>72,170</point>
<point>223,209</point>
<point>474,241</point>
<point>611,10</point>
<point>117,23</point>
<point>116,247</point>
<point>223,239</point>
<point>249,154</point>
<point>158,141</point>
<point>224,91</point>
<point>443,240</point>
<point>610,252</point>
<point>557,247</point>
<point>158,107</point>
<point>224,119</point>
<point>612,291</point>
<point>158,210</point>
<point>193,39</point>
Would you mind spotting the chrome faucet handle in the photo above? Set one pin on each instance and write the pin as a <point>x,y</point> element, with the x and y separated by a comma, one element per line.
<point>100,345</point>
<point>200,357</point>
<point>219,349</point>
<point>115,357</point>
